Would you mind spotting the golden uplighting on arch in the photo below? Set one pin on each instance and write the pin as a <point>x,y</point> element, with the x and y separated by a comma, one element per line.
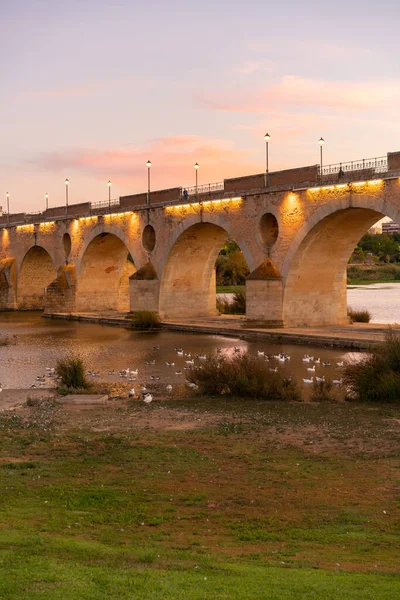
<point>110,216</point>
<point>373,182</point>
<point>91,219</point>
<point>5,239</point>
<point>47,226</point>
<point>28,227</point>
<point>195,206</point>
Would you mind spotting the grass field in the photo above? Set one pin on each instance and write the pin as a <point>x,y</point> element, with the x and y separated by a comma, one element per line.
<point>357,282</point>
<point>230,289</point>
<point>200,499</point>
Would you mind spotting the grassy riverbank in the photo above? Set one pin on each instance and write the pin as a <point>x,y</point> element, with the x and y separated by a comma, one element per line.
<point>230,289</point>
<point>357,282</point>
<point>200,499</point>
<point>233,289</point>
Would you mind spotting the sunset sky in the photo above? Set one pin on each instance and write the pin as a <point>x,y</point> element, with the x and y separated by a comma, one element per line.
<point>92,89</point>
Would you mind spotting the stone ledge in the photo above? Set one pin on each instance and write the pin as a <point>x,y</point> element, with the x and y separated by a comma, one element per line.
<point>262,324</point>
<point>83,399</point>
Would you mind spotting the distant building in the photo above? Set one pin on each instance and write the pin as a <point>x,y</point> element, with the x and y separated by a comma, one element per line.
<point>375,230</point>
<point>390,228</point>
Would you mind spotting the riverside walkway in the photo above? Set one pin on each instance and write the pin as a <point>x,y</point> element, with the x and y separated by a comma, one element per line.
<point>357,335</point>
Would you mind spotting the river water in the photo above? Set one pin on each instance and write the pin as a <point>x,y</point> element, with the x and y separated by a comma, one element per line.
<point>381,299</point>
<point>40,342</point>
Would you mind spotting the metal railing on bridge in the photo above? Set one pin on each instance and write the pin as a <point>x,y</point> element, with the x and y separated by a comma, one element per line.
<point>209,188</point>
<point>103,205</point>
<point>367,168</point>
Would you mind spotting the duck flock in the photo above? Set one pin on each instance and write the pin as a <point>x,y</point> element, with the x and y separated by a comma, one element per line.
<point>282,357</point>
<point>184,361</point>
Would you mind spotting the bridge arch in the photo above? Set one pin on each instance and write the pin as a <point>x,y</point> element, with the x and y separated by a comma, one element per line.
<point>99,230</point>
<point>315,267</point>
<point>188,287</point>
<point>102,272</point>
<point>36,271</point>
<point>209,219</point>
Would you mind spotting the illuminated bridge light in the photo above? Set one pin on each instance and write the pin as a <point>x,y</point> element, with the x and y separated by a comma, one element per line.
<point>121,214</point>
<point>46,225</point>
<point>221,201</point>
<point>29,227</point>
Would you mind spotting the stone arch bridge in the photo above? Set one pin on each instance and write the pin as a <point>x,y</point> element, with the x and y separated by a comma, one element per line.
<point>159,253</point>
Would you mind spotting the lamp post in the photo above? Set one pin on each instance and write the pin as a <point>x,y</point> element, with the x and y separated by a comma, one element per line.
<point>321,142</point>
<point>66,195</point>
<point>148,164</point>
<point>196,168</point>
<point>47,200</point>
<point>8,207</point>
<point>109,194</point>
<point>267,137</point>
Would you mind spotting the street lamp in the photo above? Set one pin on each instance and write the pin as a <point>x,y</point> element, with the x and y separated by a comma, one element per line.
<point>8,207</point>
<point>267,137</point>
<point>47,200</point>
<point>66,195</point>
<point>321,142</point>
<point>196,167</point>
<point>148,164</point>
<point>109,194</point>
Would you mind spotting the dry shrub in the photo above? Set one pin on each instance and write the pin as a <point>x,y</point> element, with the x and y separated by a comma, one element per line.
<point>236,307</point>
<point>321,391</point>
<point>359,316</point>
<point>243,376</point>
<point>71,371</point>
<point>376,377</point>
<point>145,320</point>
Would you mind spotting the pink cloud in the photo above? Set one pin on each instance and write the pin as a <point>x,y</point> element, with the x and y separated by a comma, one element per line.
<point>92,87</point>
<point>254,66</point>
<point>298,91</point>
<point>172,157</point>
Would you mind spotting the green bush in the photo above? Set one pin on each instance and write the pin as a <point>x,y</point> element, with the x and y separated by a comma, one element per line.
<point>145,320</point>
<point>359,316</point>
<point>236,307</point>
<point>376,377</point>
<point>243,376</point>
<point>71,371</point>
<point>231,266</point>
<point>383,272</point>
